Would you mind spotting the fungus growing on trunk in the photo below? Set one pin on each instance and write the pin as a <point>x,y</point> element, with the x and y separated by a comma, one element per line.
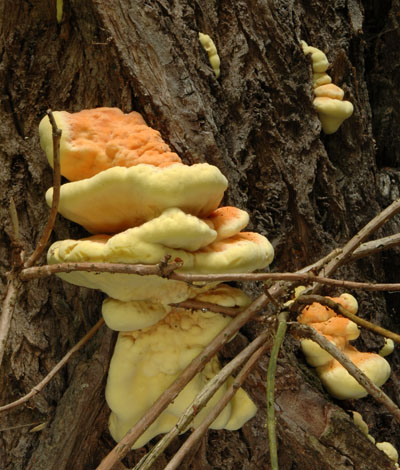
<point>147,361</point>
<point>340,330</point>
<point>209,47</point>
<point>143,204</point>
<point>328,102</point>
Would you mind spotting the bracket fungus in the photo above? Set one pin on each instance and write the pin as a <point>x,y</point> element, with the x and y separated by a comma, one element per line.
<point>328,101</point>
<point>340,330</point>
<point>210,48</point>
<point>143,204</point>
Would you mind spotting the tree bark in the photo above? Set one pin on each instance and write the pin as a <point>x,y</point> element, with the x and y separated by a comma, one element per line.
<point>305,191</point>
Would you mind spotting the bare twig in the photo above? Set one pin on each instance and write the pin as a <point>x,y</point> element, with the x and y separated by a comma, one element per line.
<point>291,277</point>
<point>201,400</point>
<point>142,269</point>
<point>201,430</point>
<point>197,305</point>
<point>56,194</point>
<point>375,246</point>
<point>39,387</point>
<point>123,447</point>
<point>308,299</point>
<point>19,426</point>
<point>145,270</point>
<point>271,421</point>
<point>13,284</point>
<point>365,249</point>
<point>14,220</point>
<point>7,311</point>
<point>361,236</point>
<point>308,332</point>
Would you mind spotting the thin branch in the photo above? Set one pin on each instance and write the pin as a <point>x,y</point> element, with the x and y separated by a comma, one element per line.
<point>202,429</point>
<point>146,270</point>
<point>375,246</point>
<point>124,446</point>
<point>201,400</point>
<point>271,421</point>
<point>56,194</point>
<point>291,277</point>
<point>309,332</point>
<point>14,221</point>
<point>19,426</point>
<point>13,284</point>
<point>142,269</point>
<point>39,387</point>
<point>359,238</point>
<point>197,305</point>
<point>365,249</point>
<point>7,312</point>
<point>308,299</point>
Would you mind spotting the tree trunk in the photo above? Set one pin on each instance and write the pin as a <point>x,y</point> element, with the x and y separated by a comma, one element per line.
<point>305,191</point>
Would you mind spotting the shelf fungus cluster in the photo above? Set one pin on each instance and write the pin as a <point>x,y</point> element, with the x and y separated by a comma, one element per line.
<point>340,331</point>
<point>141,203</point>
<point>328,101</point>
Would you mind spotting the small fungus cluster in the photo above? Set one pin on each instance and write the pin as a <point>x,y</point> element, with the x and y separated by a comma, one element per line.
<point>142,203</point>
<point>328,101</point>
<point>340,331</point>
<point>384,446</point>
<point>210,48</point>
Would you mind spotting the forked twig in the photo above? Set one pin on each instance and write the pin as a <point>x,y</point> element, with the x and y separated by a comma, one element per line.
<point>39,387</point>
<point>309,332</point>
<point>359,238</point>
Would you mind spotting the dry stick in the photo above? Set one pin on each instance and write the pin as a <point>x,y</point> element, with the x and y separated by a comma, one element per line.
<point>141,269</point>
<point>146,270</point>
<point>271,424</point>
<point>14,221</point>
<point>19,426</point>
<point>365,249</point>
<point>356,241</point>
<point>308,299</point>
<point>7,311</point>
<point>202,429</point>
<point>309,332</point>
<point>124,446</point>
<point>197,305</point>
<point>56,194</point>
<point>201,400</point>
<point>39,387</point>
<point>374,246</point>
<point>12,287</point>
<point>291,277</point>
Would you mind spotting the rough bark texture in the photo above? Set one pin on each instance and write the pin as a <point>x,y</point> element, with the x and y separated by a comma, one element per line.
<point>307,192</point>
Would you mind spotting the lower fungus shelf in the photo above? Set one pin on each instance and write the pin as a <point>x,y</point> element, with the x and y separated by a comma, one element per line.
<point>146,362</point>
